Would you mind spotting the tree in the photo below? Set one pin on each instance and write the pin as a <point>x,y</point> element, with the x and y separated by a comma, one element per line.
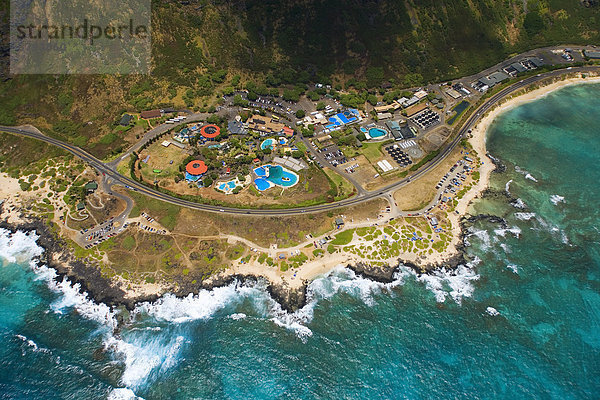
<point>300,114</point>
<point>207,182</point>
<point>238,101</point>
<point>533,23</point>
<point>320,106</point>
<point>412,80</point>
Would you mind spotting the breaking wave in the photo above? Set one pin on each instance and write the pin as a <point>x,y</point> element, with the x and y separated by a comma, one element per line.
<point>151,343</point>
<point>555,199</point>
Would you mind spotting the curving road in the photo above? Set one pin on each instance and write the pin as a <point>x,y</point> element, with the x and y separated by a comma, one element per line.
<point>109,170</point>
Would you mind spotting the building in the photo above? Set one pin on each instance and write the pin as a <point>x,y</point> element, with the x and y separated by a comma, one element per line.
<point>537,62</point>
<point>494,79</point>
<point>384,116</point>
<point>210,131</point>
<point>236,128</point>
<point>453,93</point>
<point>394,128</point>
<point>194,170</point>
<point>515,68</point>
<point>407,132</point>
<point>387,107</point>
<point>413,110</point>
<point>91,187</point>
<point>150,114</point>
<point>421,94</point>
<point>288,131</point>
<point>411,101</point>
<point>168,110</point>
<point>592,54</point>
<point>80,206</point>
<point>265,125</point>
<point>339,222</point>
<point>125,119</point>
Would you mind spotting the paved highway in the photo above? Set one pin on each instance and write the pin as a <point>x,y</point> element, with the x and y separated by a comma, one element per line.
<point>110,173</point>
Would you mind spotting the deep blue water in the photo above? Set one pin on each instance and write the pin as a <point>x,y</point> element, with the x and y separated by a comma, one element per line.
<point>521,321</point>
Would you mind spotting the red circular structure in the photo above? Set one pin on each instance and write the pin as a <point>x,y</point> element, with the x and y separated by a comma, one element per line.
<point>196,167</point>
<point>210,131</point>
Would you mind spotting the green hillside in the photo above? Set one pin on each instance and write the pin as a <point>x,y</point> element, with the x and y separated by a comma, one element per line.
<point>202,49</point>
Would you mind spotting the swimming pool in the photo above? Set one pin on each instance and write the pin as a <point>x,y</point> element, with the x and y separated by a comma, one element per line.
<point>376,133</point>
<point>262,184</point>
<point>269,175</point>
<point>228,187</point>
<point>267,144</point>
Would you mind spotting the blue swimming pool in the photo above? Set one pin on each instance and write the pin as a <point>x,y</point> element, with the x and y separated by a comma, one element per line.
<point>269,175</point>
<point>262,184</point>
<point>228,187</point>
<point>267,144</point>
<point>377,133</point>
<point>260,171</point>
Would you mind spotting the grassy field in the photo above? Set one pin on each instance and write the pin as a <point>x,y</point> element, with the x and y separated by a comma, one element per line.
<point>284,231</point>
<point>345,188</point>
<point>420,192</point>
<point>166,159</point>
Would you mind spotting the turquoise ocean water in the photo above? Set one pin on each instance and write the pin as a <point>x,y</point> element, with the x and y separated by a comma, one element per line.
<point>520,321</point>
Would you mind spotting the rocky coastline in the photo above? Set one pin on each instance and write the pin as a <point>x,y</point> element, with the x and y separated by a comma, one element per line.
<point>102,289</point>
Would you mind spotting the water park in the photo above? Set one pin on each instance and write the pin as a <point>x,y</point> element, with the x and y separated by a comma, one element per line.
<point>374,132</point>
<point>268,176</point>
<point>194,170</point>
<point>229,186</point>
<point>270,143</point>
<point>338,120</point>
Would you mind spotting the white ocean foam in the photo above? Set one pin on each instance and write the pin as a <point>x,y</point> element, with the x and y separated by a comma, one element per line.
<point>482,235</point>
<point>513,268</point>
<point>200,306</point>
<point>524,216</point>
<point>19,246</point>
<point>519,203</point>
<point>143,355</point>
<point>340,279</point>
<point>555,199</point>
<point>515,231</point>
<point>457,283</point>
<point>492,311</point>
<point>123,394</point>
<point>237,316</point>
<point>147,352</point>
<point>505,247</point>
<point>530,177</point>
<point>32,345</point>
<point>22,247</point>
<point>507,187</point>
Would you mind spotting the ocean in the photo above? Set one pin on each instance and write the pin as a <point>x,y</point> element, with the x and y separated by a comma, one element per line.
<point>520,320</point>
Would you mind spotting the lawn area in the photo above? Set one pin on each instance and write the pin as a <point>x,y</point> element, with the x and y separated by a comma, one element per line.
<point>301,146</point>
<point>160,159</point>
<point>344,187</point>
<point>343,238</point>
<point>372,151</point>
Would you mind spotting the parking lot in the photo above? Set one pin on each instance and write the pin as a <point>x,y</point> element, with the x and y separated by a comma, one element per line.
<point>333,155</point>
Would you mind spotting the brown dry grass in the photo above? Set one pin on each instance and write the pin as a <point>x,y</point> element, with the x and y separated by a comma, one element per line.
<point>420,192</point>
